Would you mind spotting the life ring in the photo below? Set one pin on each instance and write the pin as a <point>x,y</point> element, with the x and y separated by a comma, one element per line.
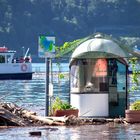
<point>24,67</point>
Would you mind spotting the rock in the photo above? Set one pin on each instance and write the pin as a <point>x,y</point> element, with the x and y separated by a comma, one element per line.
<point>35,133</point>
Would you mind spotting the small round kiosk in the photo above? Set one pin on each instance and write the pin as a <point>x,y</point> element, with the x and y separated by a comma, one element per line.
<point>98,78</point>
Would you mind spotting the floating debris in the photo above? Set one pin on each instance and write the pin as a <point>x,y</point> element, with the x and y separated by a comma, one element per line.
<point>13,115</point>
<point>35,133</point>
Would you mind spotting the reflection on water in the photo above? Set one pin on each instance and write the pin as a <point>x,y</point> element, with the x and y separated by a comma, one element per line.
<point>88,132</point>
<point>31,95</point>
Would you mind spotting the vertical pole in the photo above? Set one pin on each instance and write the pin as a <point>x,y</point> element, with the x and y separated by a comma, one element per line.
<point>70,85</point>
<point>51,80</point>
<point>47,87</point>
<point>126,89</point>
<point>51,72</point>
<point>23,50</point>
<point>51,86</point>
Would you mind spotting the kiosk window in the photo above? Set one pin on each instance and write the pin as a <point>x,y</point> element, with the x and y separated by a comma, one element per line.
<point>89,75</point>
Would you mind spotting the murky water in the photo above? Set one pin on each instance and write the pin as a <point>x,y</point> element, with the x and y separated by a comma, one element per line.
<point>84,132</point>
<point>31,95</point>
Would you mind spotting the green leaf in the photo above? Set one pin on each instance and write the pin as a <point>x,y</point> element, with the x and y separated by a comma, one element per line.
<point>61,76</point>
<point>135,105</point>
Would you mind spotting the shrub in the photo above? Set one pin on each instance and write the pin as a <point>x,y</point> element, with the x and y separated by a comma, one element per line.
<point>58,104</point>
<point>135,105</point>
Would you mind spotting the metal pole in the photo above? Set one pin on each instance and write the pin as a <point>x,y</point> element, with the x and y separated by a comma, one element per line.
<point>51,80</point>
<point>23,49</point>
<point>50,70</point>
<point>47,87</point>
<point>51,86</point>
<point>126,89</point>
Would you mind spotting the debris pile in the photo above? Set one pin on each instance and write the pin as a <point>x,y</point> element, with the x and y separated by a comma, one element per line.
<point>13,115</point>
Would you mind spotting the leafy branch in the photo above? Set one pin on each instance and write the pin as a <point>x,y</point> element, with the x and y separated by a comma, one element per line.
<point>135,82</point>
<point>68,47</point>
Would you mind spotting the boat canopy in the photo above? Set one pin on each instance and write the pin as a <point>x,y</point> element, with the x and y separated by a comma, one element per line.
<point>99,48</point>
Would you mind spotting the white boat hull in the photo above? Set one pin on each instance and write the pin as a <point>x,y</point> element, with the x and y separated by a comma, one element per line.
<point>18,71</point>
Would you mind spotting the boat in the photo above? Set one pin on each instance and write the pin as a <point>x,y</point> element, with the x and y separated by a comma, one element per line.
<point>13,68</point>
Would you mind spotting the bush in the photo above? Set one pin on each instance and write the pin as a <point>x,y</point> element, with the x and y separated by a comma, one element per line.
<point>135,105</point>
<point>58,104</point>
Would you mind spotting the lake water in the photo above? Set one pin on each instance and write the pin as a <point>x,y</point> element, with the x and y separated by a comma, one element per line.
<point>85,132</point>
<point>31,95</point>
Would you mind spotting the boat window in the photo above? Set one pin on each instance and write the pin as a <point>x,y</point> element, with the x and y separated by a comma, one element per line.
<point>2,59</point>
<point>8,58</point>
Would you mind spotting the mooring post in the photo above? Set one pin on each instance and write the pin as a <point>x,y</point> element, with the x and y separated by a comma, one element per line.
<point>47,61</point>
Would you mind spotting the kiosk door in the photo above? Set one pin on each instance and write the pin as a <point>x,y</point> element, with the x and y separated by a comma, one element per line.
<point>117,88</point>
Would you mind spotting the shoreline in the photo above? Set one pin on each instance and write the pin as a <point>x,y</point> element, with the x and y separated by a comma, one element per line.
<point>13,115</point>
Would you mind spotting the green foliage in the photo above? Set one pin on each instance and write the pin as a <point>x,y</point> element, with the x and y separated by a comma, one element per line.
<point>58,104</point>
<point>133,61</point>
<point>135,105</point>
<point>61,76</point>
<point>65,19</point>
<point>68,47</point>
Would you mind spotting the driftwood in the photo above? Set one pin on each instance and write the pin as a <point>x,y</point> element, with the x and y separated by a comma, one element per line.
<point>23,117</point>
<point>10,119</point>
<point>11,114</point>
<point>44,120</point>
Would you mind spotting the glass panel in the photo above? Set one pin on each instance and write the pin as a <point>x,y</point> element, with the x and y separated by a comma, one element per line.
<point>74,74</point>
<point>113,68</point>
<point>89,75</point>
<point>99,75</point>
<point>121,76</point>
<point>117,88</point>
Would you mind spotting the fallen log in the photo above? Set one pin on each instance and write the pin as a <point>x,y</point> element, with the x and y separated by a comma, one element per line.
<point>16,115</point>
<point>31,117</point>
<point>43,120</point>
<point>10,119</point>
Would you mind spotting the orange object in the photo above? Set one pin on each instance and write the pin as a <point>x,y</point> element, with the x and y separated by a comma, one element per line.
<point>100,68</point>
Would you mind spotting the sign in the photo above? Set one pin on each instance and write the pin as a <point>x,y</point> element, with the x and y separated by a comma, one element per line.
<point>46,47</point>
